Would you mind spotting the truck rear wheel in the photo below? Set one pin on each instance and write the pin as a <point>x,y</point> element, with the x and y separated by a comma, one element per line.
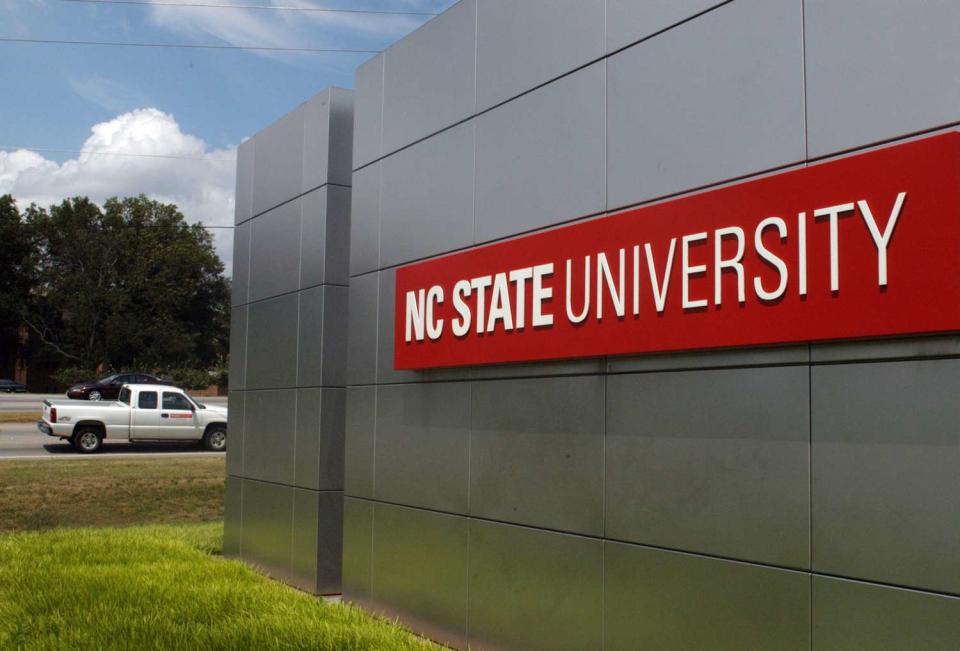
<point>87,441</point>
<point>215,438</point>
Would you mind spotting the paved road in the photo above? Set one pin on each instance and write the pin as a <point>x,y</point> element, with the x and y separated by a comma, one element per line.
<point>23,441</point>
<point>31,401</point>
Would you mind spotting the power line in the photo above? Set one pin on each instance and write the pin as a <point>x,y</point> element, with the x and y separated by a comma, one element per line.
<point>189,46</point>
<point>94,152</point>
<point>256,7</point>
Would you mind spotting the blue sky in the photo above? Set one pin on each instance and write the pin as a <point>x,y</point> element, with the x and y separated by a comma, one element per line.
<point>202,102</point>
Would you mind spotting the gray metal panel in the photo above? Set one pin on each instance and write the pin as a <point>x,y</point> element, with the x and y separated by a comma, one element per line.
<point>269,435</point>
<point>711,461</point>
<point>772,356</point>
<point>303,547</point>
<point>312,333</point>
<point>361,423</point>
<point>340,167</point>
<point>235,406</point>
<point>316,141</point>
<point>267,527</point>
<point>852,616</point>
<point>338,235</point>
<point>845,351</point>
<point>665,600</point>
<point>423,445</point>
<point>876,70</point>
<point>272,343</point>
<point>274,252</point>
<point>628,21</point>
<point>533,589</point>
<point>307,439</point>
<point>313,246</point>
<point>699,104</point>
<point>334,351</point>
<point>357,549</point>
<point>232,515</point>
<point>386,373</point>
<point>319,438</point>
<point>240,289</point>
<point>333,415</point>
<point>536,452</point>
<point>278,162</point>
<point>368,111</point>
<point>330,542</point>
<point>362,330</point>
<point>540,158</point>
<point>365,221</point>
<point>238,347</point>
<point>523,44</point>
<point>886,490</point>
<point>539,369</point>
<point>420,570</point>
<point>427,198</point>
<point>243,204</point>
<point>428,78</point>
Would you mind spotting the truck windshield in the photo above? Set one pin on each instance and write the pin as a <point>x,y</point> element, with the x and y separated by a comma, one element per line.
<point>124,396</point>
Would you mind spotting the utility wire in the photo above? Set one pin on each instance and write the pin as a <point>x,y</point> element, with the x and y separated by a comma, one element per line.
<point>312,50</point>
<point>256,7</point>
<point>94,152</point>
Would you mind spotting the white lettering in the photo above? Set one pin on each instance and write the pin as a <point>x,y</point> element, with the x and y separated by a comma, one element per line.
<point>660,295</point>
<point>577,318</point>
<point>882,241</point>
<point>434,327</point>
<point>461,326</point>
<point>732,263</point>
<point>541,294</point>
<point>616,293</point>
<point>519,277</point>
<point>500,304</point>
<point>415,315</point>
<point>834,213</point>
<point>688,271</point>
<point>774,260</point>
<point>480,284</point>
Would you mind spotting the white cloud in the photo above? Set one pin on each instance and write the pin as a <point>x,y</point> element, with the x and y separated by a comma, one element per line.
<point>107,93</point>
<point>265,28</point>
<point>173,167</point>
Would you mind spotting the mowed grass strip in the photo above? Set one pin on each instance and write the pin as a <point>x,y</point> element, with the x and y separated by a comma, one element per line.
<point>19,416</point>
<point>42,494</point>
<point>159,587</point>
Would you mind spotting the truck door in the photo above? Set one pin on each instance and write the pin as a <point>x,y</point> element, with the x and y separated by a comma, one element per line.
<point>177,417</point>
<point>145,416</point>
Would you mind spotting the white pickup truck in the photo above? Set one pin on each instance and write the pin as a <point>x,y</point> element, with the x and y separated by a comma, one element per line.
<point>142,412</point>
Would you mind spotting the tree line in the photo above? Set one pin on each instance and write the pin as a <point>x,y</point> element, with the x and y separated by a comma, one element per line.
<point>126,286</point>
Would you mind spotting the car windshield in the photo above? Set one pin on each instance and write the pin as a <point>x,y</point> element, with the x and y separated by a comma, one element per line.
<point>107,380</point>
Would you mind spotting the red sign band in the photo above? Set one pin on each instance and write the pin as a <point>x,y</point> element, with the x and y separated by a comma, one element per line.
<point>864,246</point>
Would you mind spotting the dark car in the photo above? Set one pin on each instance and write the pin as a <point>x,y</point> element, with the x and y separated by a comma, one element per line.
<point>108,388</point>
<point>9,386</point>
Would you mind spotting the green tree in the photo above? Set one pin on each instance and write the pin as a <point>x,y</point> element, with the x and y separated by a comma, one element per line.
<point>129,286</point>
<point>15,258</point>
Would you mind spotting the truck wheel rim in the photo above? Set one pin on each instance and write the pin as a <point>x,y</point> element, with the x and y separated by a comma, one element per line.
<point>218,439</point>
<point>88,441</point>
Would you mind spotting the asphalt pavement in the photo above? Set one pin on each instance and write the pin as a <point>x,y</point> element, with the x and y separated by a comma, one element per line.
<point>25,441</point>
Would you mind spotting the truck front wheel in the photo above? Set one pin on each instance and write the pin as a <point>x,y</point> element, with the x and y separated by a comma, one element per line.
<point>215,438</point>
<point>87,441</point>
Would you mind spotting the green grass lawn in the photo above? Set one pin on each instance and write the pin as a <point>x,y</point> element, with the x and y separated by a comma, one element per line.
<point>162,587</point>
<point>129,583</point>
<point>19,416</point>
<point>41,494</point>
